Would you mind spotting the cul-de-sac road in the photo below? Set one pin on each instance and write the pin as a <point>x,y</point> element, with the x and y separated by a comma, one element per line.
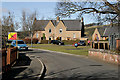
<point>63,66</point>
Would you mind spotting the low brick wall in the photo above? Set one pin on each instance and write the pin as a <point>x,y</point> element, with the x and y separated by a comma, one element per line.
<point>105,55</point>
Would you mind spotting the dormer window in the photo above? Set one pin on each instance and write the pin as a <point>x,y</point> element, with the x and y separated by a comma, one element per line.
<point>60,30</point>
<point>50,31</point>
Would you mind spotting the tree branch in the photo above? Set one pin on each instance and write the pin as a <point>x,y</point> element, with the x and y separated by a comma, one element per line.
<point>95,10</point>
<point>112,7</point>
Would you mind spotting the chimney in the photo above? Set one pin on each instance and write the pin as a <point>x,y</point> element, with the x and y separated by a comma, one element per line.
<point>58,19</point>
<point>82,19</point>
<point>82,29</point>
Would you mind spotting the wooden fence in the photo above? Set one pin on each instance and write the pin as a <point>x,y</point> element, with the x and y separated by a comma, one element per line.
<point>9,56</point>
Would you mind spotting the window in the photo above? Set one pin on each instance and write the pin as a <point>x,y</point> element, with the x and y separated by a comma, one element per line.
<point>20,42</point>
<point>50,31</point>
<point>49,38</point>
<point>68,38</point>
<point>41,38</point>
<point>36,35</point>
<point>60,30</point>
<point>60,38</point>
<point>74,35</point>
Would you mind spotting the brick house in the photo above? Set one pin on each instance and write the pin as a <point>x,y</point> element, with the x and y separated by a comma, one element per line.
<point>98,34</point>
<point>59,29</point>
<point>108,36</point>
<point>114,37</point>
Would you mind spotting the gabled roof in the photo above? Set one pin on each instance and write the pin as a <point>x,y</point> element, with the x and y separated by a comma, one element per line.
<point>71,25</point>
<point>101,30</point>
<point>111,30</point>
<point>41,24</point>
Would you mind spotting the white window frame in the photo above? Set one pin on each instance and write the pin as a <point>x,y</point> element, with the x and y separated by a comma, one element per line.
<point>74,36</point>
<point>37,35</point>
<point>49,30</point>
<point>60,30</point>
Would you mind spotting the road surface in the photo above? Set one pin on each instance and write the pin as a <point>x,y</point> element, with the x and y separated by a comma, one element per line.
<point>62,66</point>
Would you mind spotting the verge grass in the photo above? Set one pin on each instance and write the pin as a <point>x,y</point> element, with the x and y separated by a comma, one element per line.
<point>80,50</point>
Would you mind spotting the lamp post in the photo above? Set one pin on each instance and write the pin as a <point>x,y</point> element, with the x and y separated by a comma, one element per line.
<point>31,32</point>
<point>31,38</point>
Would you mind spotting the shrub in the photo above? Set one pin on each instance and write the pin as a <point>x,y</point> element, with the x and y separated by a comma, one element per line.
<point>69,42</point>
<point>35,40</point>
<point>45,41</point>
<point>28,40</point>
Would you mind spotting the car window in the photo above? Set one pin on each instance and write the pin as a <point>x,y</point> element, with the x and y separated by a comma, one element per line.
<point>57,41</point>
<point>20,42</point>
<point>82,41</point>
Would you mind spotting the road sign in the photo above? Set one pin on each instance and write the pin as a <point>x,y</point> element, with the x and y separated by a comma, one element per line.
<point>12,35</point>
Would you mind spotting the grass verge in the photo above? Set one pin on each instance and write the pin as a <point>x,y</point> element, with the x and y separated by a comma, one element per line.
<point>81,50</point>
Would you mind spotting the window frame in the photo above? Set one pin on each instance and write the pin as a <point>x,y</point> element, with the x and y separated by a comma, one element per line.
<point>60,30</point>
<point>74,36</point>
<point>50,30</point>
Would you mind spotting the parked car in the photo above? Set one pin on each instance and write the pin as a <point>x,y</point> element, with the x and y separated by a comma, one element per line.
<point>81,43</point>
<point>20,44</point>
<point>57,42</point>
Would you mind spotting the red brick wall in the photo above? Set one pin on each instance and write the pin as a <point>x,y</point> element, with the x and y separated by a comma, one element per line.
<point>105,56</point>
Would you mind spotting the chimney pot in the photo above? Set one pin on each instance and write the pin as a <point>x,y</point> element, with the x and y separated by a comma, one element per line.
<point>82,19</point>
<point>58,19</point>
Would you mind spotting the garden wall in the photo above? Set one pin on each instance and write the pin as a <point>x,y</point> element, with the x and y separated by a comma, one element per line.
<point>105,55</point>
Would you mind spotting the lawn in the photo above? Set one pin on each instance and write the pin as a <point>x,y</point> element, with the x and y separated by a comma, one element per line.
<point>81,50</point>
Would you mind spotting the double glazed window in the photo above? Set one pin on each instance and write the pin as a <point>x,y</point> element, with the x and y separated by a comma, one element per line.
<point>60,30</point>
<point>50,31</point>
<point>36,35</point>
<point>74,35</point>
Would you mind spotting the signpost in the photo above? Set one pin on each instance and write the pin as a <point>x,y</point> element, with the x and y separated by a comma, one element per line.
<point>12,36</point>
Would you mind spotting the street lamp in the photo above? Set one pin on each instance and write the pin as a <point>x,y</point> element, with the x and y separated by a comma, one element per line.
<point>31,31</point>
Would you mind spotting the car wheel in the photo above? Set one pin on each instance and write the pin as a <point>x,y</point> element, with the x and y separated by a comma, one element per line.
<point>26,48</point>
<point>59,43</point>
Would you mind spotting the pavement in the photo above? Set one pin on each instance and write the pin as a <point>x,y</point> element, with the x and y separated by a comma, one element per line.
<point>27,67</point>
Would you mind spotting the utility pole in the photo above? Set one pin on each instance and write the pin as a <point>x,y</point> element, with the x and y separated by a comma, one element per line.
<point>31,32</point>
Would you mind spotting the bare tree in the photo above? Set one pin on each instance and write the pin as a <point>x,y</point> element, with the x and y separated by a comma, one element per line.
<point>8,24</point>
<point>28,22</point>
<point>103,11</point>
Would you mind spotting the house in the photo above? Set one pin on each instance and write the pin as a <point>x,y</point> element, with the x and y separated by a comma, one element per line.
<point>59,29</point>
<point>107,37</point>
<point>98,34</point>
<point>114,36</point>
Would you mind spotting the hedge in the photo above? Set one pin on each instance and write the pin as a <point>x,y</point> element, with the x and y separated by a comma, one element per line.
<point>69,42</point>
<point>28,40</point>
<point>66,42</point>
<point>45,41</point>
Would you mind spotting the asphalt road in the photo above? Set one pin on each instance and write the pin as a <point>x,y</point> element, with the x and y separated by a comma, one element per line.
<point>68,67</point>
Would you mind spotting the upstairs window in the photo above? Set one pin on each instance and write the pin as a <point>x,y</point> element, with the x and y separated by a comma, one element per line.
<point>50,31</point>
<point>74,35</point>
<point>36,35</point>
<point>60,30</point>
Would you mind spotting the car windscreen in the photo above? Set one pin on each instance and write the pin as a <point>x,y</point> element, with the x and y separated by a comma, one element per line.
<point>57,41</point>
<point>20,42</point>
<point>82,41</point>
